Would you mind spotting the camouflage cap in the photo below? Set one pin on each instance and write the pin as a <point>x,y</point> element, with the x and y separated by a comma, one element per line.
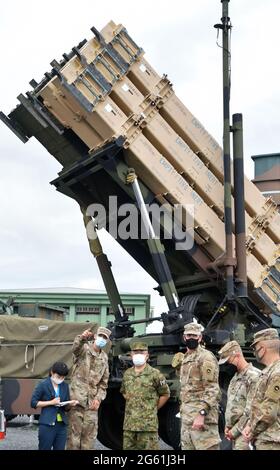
<point>138,346</point>
<point>104,331</point>
<point>265,335</point>
<point>193,329</point>
<point>229,349</point>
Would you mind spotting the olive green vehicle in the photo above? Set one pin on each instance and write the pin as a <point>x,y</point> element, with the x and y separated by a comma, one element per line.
<point>119,130</point>
<point>28,348</point>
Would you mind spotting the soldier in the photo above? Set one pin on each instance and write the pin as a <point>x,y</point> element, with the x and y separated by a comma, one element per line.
<point>264,423</point>
<point>145,391</point>
<point>200,393</point>
<point>88,385</point>
<point>240,393</point>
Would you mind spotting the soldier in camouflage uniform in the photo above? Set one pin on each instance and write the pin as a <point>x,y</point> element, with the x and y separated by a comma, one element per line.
<point>200,393</point>
<point>145,391</point>
<point>240,393</point>
<point>264,423</point>
<point>88,385</point>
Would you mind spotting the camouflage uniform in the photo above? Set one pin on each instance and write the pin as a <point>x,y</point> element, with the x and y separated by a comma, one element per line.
<point>142,392</point>
<point>239,396</point>
<point>199,390</point>
<point>89,382</point>
<point>265,409</point>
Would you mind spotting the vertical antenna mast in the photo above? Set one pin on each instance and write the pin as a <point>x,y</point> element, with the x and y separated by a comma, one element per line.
<point>225,26</point>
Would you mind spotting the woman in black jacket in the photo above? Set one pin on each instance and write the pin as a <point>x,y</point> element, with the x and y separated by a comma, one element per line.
<point>48,395</point>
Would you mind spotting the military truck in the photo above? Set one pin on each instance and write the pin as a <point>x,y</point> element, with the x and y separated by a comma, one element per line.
<point>28,348</point>
<point>125,140</point>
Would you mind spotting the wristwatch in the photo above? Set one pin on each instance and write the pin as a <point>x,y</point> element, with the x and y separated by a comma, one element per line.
<point>203,412</point>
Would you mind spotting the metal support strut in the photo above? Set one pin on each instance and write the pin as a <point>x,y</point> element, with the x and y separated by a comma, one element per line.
<point>155,246</point>
<point>104,266</point>
<point>239,206</point>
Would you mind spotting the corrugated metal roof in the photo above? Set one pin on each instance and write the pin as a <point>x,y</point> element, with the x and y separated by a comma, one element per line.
<point>55,290</point>
<point>61,290</point>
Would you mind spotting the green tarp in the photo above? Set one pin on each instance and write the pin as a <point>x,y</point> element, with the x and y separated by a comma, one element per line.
<point>29,346</point>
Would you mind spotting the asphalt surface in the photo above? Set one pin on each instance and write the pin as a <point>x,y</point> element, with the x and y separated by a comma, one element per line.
<point>22,434</point>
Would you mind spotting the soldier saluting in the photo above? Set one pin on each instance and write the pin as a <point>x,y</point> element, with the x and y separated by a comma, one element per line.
<point>200,393</point>
<point>145,391</point>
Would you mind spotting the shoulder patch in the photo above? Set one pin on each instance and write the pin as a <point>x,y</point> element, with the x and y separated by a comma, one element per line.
<point>273,389</point>
<point>177,359</point>
<point>159,381</point>
<point>161,378</point>
<point>208,370</point>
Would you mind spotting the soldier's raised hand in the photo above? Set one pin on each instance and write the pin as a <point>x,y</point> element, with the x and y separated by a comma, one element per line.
<point>87,334</point>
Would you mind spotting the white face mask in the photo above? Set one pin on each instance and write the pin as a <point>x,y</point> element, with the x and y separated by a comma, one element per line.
<point>100,342</point>
<point>139,359</point>
<point>57,381</point>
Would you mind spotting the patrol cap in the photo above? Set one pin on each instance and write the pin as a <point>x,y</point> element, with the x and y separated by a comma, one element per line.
<point>265,335</point>
<point>229,349</point>
<point>139,346</point>
<point>193,329</point>
<point>104,331</point>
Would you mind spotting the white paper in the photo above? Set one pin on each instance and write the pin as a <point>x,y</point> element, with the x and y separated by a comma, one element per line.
<point>63,403</point>
<point>178,415</point>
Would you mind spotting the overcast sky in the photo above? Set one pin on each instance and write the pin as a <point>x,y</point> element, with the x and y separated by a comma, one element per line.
<point>42,239</point>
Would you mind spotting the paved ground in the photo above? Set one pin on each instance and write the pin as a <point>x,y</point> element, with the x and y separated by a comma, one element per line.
<point>23,435</point>
<point>20,435</point>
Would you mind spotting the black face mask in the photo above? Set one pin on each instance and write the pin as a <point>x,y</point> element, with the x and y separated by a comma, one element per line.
<point>191,343</point>
<point>230,368</point>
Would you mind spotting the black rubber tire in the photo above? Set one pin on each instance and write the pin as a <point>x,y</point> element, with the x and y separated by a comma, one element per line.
<point>10,417</point>
<point>169,425</point>
<point>111,416</point>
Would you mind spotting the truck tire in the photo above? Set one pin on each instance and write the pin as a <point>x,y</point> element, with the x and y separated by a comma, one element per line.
<point>10,417</point>
<point>169,425</point>
<point>111,415</point>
